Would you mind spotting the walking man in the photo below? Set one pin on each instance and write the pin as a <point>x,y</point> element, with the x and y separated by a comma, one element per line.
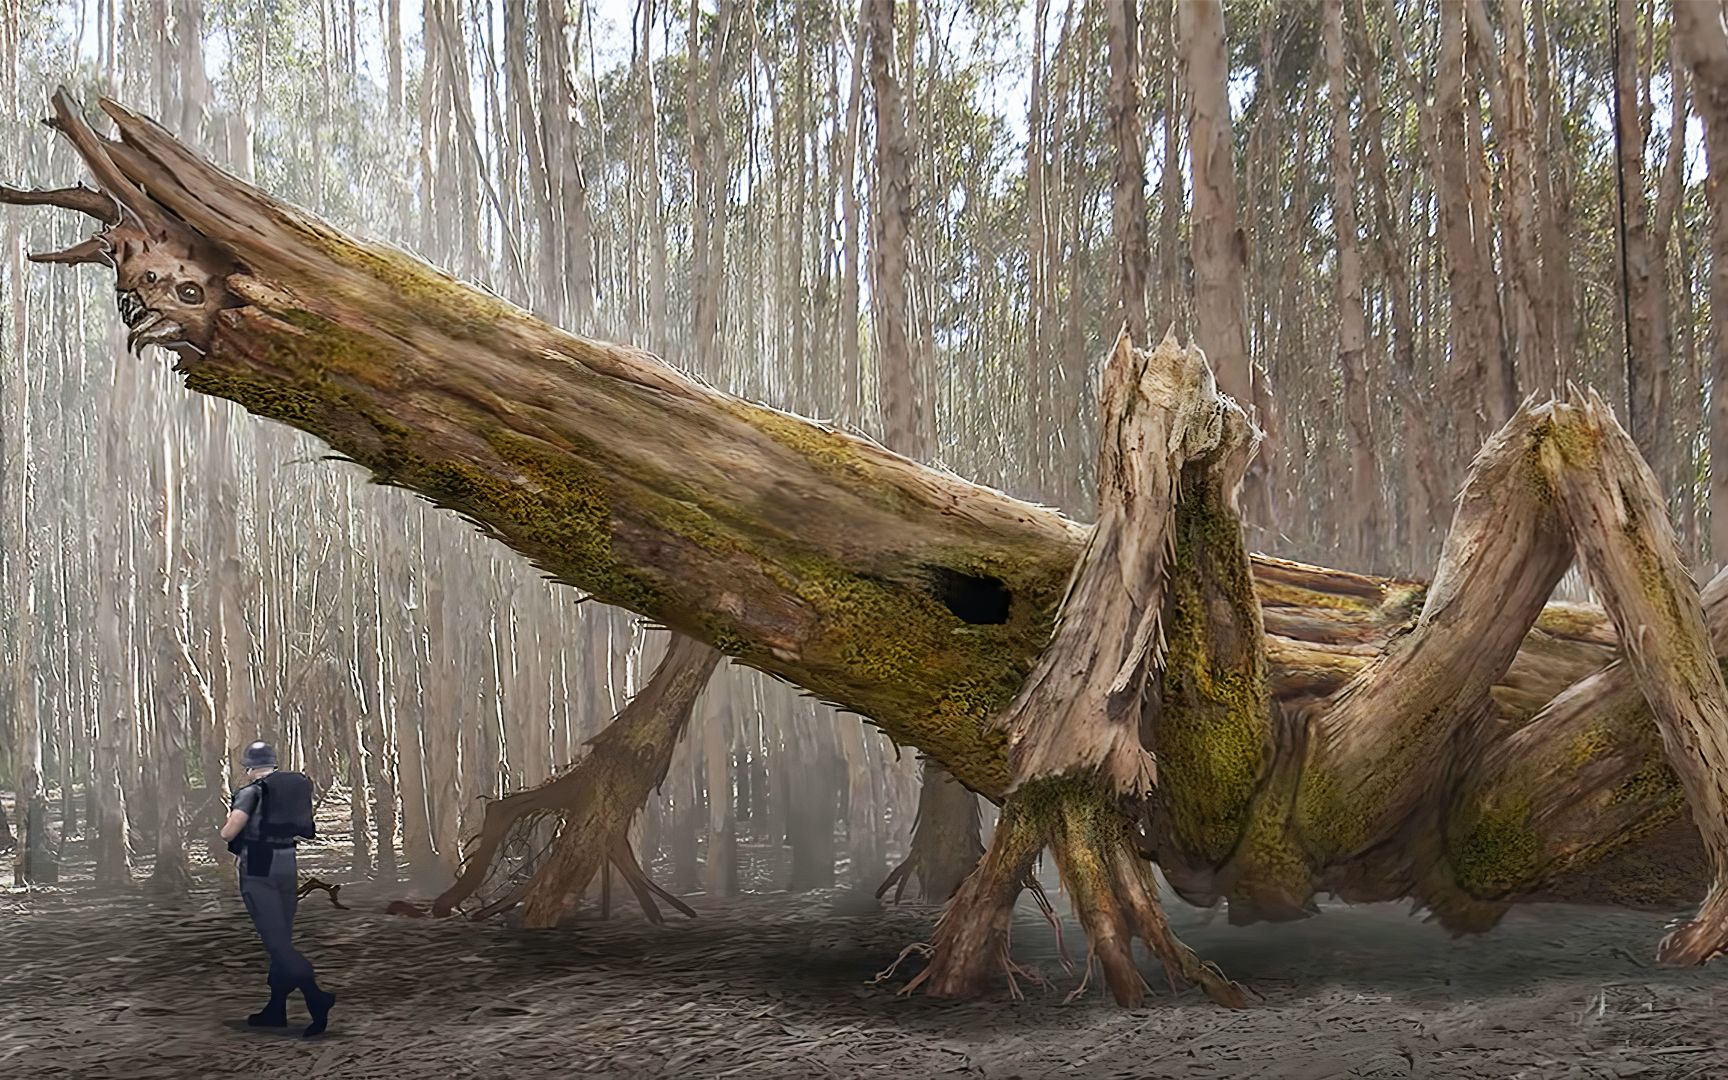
<point>268,815</point>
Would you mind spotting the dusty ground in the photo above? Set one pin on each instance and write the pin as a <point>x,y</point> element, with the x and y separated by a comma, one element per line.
<point>776,986</point>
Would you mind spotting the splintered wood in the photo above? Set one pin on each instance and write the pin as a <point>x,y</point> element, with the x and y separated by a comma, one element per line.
<point>1080,709</point>
<point>1076,729</point>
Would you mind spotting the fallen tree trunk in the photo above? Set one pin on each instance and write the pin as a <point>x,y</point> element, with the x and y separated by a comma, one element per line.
<point>910,596</point>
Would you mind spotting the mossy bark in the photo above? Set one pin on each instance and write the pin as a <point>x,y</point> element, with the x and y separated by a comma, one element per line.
<point>1370,781</point>
<point>1150,703</point>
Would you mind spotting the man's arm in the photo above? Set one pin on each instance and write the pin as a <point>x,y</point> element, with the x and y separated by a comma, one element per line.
<point>236,822</point>
<point>244,804</point>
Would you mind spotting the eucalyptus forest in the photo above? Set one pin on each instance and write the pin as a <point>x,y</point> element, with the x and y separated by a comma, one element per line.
<point>849,537</point>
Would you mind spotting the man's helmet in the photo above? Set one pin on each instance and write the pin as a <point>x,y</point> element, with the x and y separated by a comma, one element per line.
<point>258,755</point>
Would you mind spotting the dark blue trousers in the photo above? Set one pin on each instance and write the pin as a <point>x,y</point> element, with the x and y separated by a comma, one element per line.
<point>270,900</point>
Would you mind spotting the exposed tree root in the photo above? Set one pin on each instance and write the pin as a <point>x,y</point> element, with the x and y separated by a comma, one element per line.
<point>946,840</point>
<point>1112,889</point>
<point>596,800</point>
<point>971,941</point>
<point>1116,898</point>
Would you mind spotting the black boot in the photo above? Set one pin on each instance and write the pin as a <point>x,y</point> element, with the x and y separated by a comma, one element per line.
<point>318,1003</point>
<point>275,1014</point>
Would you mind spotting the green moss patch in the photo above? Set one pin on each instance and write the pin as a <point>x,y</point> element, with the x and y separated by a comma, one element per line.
<point>1495,848</point>
<point>1213,729</point>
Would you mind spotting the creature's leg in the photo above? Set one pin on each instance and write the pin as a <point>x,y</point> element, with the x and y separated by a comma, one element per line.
<point>1158,650</point>
<point>1581,779</point>
<point>597,799</point>
<point>1606,768</point>
<point>1377,757</point>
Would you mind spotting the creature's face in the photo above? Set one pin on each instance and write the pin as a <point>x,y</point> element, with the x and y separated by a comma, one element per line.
<point>168,290</point>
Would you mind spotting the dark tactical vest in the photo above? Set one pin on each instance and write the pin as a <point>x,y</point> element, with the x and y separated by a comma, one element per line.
<point>284,815</point>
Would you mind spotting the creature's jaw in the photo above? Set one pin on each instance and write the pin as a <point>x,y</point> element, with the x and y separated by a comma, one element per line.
<point>147,326</point>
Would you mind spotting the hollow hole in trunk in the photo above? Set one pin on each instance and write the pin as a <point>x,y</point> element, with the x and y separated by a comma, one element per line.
<point>978,599</point>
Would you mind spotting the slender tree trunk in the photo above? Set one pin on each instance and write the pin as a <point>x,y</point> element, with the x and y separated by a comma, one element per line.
<point>1684,391</point>
<point>1700,30</point>
<point>410,707</point>
<point>112,849</point>
<point>170,719</point>
<point>1128,185</point>
<point>654,201</point>
<point>32,859</point>
<point>1363,516</point>
<point>1171,288</point>
<point>1039,314</point>
<point>393,54</point>
<point>905,417</point>
<point>1501,63</point>
<point>382,732</point>
<point>720,868</point>
<point>1481,398</point>
<point>445,718</point>
<point>1647,368</point>
<point>1218,244</point>
<point>864,855</point>
<point>852,410</point>
<point>815,790</point>
<point>1555,203</point>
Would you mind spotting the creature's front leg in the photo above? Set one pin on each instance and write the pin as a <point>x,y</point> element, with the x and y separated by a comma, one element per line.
<point>1626,750</point>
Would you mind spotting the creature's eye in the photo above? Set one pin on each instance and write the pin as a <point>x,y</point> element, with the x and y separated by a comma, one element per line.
<point>149,277</point>
<point>190,293</point>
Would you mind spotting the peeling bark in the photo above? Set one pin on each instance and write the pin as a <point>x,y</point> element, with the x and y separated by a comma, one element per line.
<point>1147,652</point>
<point>1080,708</point>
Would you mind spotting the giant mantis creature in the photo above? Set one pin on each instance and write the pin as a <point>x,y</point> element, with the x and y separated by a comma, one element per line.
<point>1135,692</point>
